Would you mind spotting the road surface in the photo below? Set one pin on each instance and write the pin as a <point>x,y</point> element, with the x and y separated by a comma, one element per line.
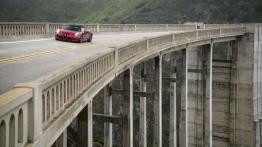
<point>25,61</point>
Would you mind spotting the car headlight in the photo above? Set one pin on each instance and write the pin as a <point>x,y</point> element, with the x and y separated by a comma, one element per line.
<point>58,31</point>
<point>78,34</point>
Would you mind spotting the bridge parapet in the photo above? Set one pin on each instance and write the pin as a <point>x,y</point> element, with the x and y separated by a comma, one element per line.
<point>61,89</point>
<point>14,118</point>
<point>30,30</point>
<point>58,91</point>
<point>210,26</point>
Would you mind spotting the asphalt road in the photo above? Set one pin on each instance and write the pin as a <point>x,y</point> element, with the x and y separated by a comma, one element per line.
<point>25,61</point>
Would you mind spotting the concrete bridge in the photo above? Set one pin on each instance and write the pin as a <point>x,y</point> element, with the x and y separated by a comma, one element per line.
<point>215,100</point>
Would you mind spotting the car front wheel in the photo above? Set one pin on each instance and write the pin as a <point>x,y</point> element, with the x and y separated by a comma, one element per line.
<point>90,38</point>
<point>81,39</point>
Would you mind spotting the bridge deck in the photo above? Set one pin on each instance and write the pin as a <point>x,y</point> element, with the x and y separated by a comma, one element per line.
<point>25,61</point>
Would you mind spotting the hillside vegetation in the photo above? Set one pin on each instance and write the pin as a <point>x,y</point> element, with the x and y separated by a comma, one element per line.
<point>132,11</point>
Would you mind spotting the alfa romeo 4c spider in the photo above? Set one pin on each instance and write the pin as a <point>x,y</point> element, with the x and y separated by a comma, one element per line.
<point>76,33</point>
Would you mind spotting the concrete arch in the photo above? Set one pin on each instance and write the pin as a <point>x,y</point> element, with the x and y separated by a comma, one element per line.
<point>53,100</point>
<point>20,126</point>
<point>12,131</point>
<point>44,107</point>
<point>2,133</point>
<point>48,106</point>
<point>57,94</point>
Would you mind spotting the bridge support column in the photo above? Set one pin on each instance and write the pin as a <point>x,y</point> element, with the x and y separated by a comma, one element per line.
<point>183,119</point>
<point>242,80</point>
<point>199,105</point>
<point>85,127</point>
<point>142,115</point>
<point>62,140</point>
<point>90,124</point>
<point>128,109</point>
<point>65,138</point>
<point>208,53</point>
<point>108,127</point>
<point>182,100</point>
<point>196,96</point>
<point>158,103</point>
<point>257,85</point>
<point>172,129</point>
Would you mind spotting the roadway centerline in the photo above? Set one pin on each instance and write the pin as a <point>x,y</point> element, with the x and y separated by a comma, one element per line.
<point>42,53</point>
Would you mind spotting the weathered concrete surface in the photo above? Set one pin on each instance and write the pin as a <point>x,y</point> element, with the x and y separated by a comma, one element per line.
<point>183,85</point>
<point>108,109</point>
<point>195,97</point>
<point>257,83</point>
<point>173,103</point>
<point>158,103</point>
<point>200,96</point>
<point>128,108</point>
<point>143,108</point>
<point>241,105</point>
<point>221,103</point>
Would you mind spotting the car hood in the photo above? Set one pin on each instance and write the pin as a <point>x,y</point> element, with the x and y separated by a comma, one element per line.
<point>68,32</point>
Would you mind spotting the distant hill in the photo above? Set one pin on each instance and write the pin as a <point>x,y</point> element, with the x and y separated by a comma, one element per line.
<point>132,11</point>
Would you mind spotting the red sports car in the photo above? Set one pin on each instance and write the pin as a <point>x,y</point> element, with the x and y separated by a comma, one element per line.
<point>74,33</point>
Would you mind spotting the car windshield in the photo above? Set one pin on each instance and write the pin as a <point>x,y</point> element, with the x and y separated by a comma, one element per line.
<point>73,28</point>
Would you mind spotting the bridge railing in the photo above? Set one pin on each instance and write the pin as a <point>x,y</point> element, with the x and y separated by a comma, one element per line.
<point>57,96</point>
<point>210,26</point>
<point>14,118</point>
<point>43,103</point>
<point>27,30</point>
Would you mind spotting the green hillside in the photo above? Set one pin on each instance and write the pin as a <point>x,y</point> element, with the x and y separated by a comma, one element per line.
<point>132,11</point>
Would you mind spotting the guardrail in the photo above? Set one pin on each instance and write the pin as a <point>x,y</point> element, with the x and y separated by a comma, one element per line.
<point>23,31</point>
<point>210,26</point>
<point>41,102</point>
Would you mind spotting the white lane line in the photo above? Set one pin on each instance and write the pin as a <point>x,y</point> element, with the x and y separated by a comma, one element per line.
<point>9,42</point>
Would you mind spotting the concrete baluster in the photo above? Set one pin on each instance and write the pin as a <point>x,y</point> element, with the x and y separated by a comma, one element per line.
<point>47,28</point>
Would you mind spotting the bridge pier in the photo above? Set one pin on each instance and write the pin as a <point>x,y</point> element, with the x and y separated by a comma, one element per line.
<point>128,108</point>
<point>108,127</point>
<point>173,103</point>
<point>85,127</point>
<point>208,69</point>
<point>257,86</point>
<point>62,140</point>
<point>200,96</point>
<point>157,141</point>
<point>143,106</point>
<point>241,126</point>
<point>183,119</point>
